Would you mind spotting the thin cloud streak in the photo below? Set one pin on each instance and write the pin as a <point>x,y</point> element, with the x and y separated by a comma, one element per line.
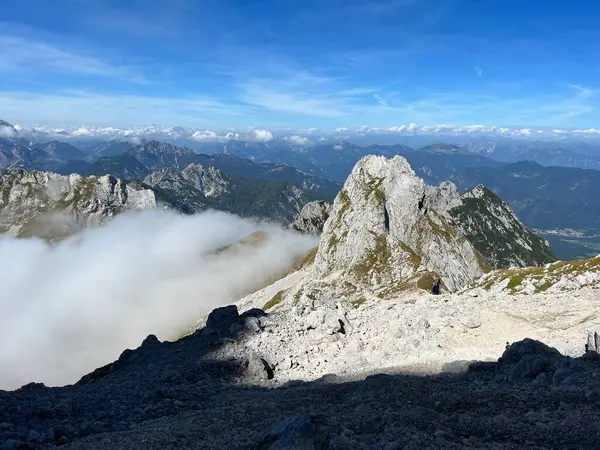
<point>24,55</point>
<point>81,107</point>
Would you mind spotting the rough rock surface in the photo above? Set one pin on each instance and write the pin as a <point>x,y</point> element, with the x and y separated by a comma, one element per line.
<point>312,218</point>
<point>559,276</point>
<point>315,333</point>
<point>208,180</point>
<point>28,201</point>
<point>383,230</point>
<point>495,231</point>
<point>200,392</point>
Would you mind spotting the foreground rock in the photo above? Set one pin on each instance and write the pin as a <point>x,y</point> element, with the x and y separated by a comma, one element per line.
<point>196,393</point>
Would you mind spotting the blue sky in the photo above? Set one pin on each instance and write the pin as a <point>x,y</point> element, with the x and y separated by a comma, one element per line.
<point>286,63</point>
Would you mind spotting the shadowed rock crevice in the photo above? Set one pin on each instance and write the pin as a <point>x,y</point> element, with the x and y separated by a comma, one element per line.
<point>386,218</point>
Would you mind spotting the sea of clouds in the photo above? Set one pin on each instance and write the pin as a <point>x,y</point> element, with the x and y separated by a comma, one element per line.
<point>69,308</point>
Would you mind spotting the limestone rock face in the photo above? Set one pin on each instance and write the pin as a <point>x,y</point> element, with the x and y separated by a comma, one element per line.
<point>386,226</point>
<point>209,181</point>
<point>30,202</point>
<point>312,218</point>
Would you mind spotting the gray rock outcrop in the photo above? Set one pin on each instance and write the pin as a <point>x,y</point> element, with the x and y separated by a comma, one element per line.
<point>30,201</point>
<point>312,218</point>
<point>387,227</point>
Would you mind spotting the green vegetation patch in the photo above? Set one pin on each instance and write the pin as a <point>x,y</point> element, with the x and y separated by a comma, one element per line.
<point>426,281</point>
<point>541,277</point>
<point>485,266</point>
<point>306,260</point>
<point>373,187</point>
<point>335,240</point>
<point>378,259</point>
<point>345,203</point>
<point>275,300</point>
<point>358,302</point>
<point>414,257</point>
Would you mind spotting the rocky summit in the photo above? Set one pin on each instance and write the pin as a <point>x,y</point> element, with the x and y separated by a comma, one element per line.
<point>200,392</point>
<point>388,232</point>
<point>387,227</point>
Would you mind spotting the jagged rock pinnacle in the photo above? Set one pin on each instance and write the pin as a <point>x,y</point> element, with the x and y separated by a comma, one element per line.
<point>312,218</point>
<point>387,227</point>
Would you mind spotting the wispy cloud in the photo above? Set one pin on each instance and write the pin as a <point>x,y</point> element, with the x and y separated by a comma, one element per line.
<point>82,107</point>
<point>21,54</point>
<point>381,101</point>
<point>478,70</point>
<point>583,91</point>
<point>288,97</point>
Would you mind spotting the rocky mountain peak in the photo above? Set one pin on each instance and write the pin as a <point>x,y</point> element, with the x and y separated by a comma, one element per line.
<point>494,229</point>
<point>387,227</point>
<point>206,181</point>
<point>209,180</point>
<point>312,218</point>
<point>7,130</point>
<point>4,123</point>
<point>479,191</point>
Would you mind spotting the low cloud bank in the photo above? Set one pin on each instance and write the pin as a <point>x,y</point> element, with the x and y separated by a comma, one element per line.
<point>68,309</point>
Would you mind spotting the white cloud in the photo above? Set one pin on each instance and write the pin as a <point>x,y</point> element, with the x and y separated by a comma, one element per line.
<point>584,92</point>
<point>204,136</point>
<point>338,147</point>
<point>262,135</point>
<point>84,306</point>
<point>478,70</point>
<point>299,140</point>
<point>522,132</point>
<point>7,132</point>
<point>588,131</point>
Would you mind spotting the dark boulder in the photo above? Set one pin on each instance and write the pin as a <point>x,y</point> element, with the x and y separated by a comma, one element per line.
<point>304,432</point>
<point>221,319</point>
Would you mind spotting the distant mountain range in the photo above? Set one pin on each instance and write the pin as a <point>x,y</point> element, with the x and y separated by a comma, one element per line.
<point>542,152</point>
<point>59,205</point>
<point>544,198</point>
<point>128,161</point>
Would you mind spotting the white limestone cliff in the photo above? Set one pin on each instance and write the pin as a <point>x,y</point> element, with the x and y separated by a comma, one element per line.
<point>386,227</point>
<point>29,199</point>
